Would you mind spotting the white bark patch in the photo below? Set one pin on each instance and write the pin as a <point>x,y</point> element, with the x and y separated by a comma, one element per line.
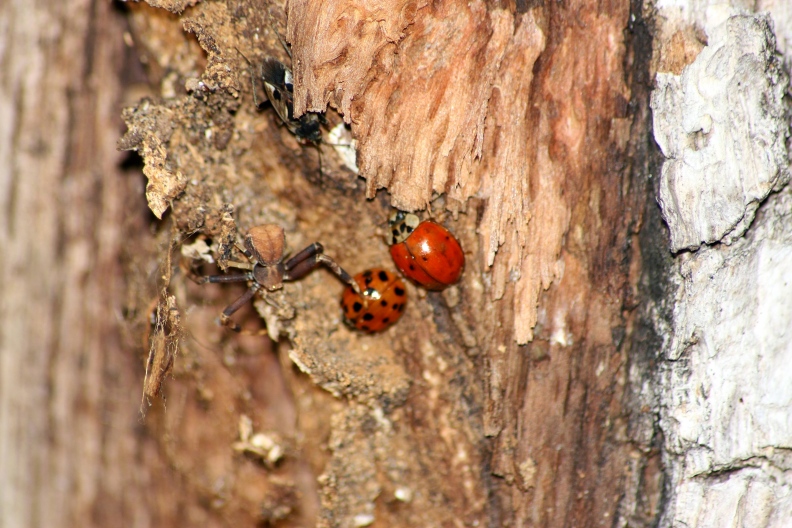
<point>781,13</point>
<point>749,498</point>
<point>722,126</point>
<point>726,391</point>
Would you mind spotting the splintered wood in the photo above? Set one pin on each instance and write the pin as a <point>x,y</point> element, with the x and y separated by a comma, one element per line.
<point>498,401</point>
<point>530,113</point>
<point>444,99</point>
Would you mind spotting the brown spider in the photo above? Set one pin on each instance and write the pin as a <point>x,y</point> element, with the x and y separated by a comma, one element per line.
<point>264,246</point>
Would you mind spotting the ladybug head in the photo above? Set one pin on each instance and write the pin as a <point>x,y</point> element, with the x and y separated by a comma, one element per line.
<point>400,226</point>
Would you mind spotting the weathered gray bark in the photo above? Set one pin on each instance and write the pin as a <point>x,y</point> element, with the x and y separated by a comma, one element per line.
<point>723,394</point>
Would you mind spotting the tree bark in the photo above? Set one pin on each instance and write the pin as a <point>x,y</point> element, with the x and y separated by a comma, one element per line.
<point>722,393</point>
<point>580,374</point>
<point>496,402</point>
<point>72,452</point>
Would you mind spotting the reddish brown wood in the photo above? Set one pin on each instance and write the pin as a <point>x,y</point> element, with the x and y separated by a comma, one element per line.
<point>497,402</point>
<point>529,111</point>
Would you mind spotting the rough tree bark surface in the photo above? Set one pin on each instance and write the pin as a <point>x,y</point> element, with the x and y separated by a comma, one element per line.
<point>507,400</point>
<point>723,395</point>
<point>497,402</point>
<point>72,450</point>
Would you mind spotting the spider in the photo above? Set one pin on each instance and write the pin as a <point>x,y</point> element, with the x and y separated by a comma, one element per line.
<point>264,246</point>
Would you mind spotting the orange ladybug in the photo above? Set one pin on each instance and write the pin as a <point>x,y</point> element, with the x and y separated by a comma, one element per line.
<point>426,252</point>
<point>382,303</point>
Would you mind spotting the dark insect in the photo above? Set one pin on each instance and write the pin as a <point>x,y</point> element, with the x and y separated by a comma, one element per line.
<point>279,87</point>
<point>264,246</point>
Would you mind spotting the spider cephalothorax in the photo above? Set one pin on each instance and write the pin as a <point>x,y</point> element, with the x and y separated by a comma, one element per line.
<point>264,246</point>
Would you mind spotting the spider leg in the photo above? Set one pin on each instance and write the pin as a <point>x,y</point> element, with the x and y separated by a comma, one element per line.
<point>240,265</point>
<point>242,249</point>
<point>242,277</point>
<point>225,317</point>
<point>306,260</point>
<point>252,79</point>
<point>333,266</point>
<point>304,255</point>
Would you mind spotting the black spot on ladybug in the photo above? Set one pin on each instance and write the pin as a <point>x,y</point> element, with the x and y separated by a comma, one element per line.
<point>398,291</point>
<point>368,316</point>
<point>357,306</point>
<point>346,307</point>
<point>401,307</point>
<point>386,320</point>
<point>383,276</point>
<point>367,273</point>
<point>383,303</point>
<point>365,328</point>
<point>425,258</point>
<point>368,280</point>
<point>448,237</point>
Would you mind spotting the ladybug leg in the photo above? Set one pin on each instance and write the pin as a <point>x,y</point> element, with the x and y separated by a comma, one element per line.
<point>306,260</point>
<point>225,317</point>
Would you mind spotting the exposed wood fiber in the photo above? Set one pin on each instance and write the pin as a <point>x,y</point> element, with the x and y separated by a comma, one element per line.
<point>521,121</point>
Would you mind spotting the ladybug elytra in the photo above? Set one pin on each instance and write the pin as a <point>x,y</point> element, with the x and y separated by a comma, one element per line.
<point>426,252</point>
<point>381,304</point>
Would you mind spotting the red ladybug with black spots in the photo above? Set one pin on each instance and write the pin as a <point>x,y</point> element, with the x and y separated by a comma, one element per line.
<point>382,303</point>
<point>426,252</point>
